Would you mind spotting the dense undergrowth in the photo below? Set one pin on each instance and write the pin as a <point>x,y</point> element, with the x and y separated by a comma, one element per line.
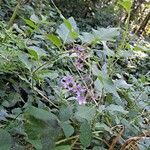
<point>62,88</point>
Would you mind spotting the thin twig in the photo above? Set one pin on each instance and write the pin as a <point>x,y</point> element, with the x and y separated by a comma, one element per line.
<point>134,139</point>
<point>46,98</point>
<point>67,139</point>
<point>72,145</point>
<point>115,140</point>
<point>102,140</point>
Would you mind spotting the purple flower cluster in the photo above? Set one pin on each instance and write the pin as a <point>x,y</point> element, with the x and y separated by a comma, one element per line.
<point>69,84</point>
<point>81,53</point>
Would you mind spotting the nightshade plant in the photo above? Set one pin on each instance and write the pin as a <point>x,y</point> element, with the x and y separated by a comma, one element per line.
<point>64,89</point>
<point>69,83</point>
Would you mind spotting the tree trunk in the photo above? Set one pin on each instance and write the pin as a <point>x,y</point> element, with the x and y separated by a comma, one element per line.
<point>143,24</point>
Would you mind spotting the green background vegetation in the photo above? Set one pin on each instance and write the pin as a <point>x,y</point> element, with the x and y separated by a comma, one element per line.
<point>38,40</point>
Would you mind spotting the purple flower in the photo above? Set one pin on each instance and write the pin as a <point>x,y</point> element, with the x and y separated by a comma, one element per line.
<point>79,64</point>
<point>80,90</point>
<point>81,100</point>
<point>68,82</point>
<point>79,48</point>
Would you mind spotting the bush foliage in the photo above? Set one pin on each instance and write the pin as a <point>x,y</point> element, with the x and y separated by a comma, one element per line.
<point>68,85</point>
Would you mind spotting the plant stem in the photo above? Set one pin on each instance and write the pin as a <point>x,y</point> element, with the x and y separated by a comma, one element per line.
<point>46,98</point>
<point>73,137</point>
<point>67,139</point>
<point>10,23</point>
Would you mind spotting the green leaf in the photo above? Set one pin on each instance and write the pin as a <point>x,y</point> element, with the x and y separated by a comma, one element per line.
<point>33,128</point>
<point>5,140</point>
<point>65,113</point>
<point>47,141</point>
<point>107,83</point>
<point>30,23</point>
<point>85,112</point>
<point>98,85</point>
<point>141,48</point>
<point>85,134</point>
<point>36,52</point>
<point>68,24</point>
<point>55,40</point>
<point>127,4</point>
<point>34,18</point>
<point>25,60</point>
<point>87,37</point>
<point>36,143</point>
<point>47,131</point>
<point>122,84</point>
<point>110,87</point>
<point>68,129</point>
<point>106,34</point>
<point>47,73</point>
<point>67,31</point>
<point>102,127</point>
<point>116,108</point>
<point>63,147</point>
<point>40,113</point>
<point>95,69</point>
<point>63,33</point>
<point>107,51</point>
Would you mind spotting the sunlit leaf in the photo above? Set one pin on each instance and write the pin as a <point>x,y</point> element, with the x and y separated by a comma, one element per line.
<point>36,52</point>
<point>126,4</point>
<point>55,40</point>
<point>31,23</point>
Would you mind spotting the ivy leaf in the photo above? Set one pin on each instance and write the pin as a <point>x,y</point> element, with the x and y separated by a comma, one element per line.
<point>85,134</point>
<point>55,40</point>
<point>5,140</point>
